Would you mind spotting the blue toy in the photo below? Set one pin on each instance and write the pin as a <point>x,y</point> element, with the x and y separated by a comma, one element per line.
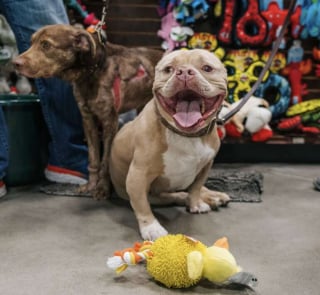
<point>188,11</point>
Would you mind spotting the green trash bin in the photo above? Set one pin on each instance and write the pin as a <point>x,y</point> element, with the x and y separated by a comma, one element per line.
<point>28,139</point>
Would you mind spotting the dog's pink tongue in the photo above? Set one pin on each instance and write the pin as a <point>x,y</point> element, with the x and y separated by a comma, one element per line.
<point>187,113</point>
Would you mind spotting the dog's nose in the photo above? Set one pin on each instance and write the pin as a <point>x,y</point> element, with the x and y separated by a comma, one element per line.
<point>18,62</point>
<point>185,74</point>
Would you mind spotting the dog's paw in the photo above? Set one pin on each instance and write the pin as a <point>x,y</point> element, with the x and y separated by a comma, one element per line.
<point>152,231</point>
<point>200,207</point>
<point>215,199</point>
<point>101,191</point>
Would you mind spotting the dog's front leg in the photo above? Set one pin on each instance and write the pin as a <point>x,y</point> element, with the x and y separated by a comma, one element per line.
<point>92,136</point>
<point>137,184</point>
<point>109,122</point>
<point>201,199</point>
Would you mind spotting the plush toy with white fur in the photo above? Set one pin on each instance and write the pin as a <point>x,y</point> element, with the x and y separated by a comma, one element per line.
<point>252,118</point>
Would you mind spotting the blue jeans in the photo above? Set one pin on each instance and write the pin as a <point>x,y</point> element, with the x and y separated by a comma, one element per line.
<point>67,148</point>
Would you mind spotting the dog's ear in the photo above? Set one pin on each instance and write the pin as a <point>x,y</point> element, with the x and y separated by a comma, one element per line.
<point>84,42</point>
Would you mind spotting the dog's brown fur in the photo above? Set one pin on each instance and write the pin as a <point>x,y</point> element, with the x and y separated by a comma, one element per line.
<point>107,80</point>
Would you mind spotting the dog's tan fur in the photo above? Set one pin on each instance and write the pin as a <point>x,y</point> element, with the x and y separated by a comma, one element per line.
<point>154,158</point>
<point>107,80</point>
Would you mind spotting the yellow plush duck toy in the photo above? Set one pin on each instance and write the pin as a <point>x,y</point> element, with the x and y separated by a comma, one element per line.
<point>178,261</point>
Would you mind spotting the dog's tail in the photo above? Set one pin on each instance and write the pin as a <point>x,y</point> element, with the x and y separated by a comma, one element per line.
<point>130,256</point>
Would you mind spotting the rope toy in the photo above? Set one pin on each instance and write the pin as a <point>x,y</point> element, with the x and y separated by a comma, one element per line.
<point>179,261</point>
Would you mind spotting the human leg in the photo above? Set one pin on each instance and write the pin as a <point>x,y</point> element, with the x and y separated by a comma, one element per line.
<point>67,148</point>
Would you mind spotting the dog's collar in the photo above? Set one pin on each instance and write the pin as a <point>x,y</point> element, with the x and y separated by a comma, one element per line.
<point>201,132</point>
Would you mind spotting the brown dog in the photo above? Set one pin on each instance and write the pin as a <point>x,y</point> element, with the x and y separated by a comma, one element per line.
<point>165,154</point>
<point>108,79</point>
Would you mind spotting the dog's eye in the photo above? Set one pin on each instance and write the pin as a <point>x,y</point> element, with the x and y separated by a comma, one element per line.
<point>207,68</point>
<point>45,45</point>
<point>168,69</point>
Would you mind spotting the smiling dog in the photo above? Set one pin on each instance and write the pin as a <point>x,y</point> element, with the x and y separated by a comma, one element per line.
<point>165,154</point>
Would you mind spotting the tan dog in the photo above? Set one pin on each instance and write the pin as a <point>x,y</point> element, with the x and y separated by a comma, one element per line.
<point>107,80</point>
<point>166,153</point>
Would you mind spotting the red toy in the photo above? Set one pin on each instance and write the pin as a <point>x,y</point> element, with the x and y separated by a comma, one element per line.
<point>251,18</point>
<point>295,69</point>
<point>296,26</point>
<point>225,33</point>
<point>275,17</point>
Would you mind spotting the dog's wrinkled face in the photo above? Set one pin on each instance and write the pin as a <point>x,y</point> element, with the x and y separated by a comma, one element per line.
<point>54,48</point>
<point>189,86</point>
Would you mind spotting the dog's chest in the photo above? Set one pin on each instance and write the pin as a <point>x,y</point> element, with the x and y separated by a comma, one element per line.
<point>184,159</point>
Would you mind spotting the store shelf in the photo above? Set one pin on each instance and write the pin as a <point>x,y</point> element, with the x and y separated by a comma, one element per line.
<point>293,148</point>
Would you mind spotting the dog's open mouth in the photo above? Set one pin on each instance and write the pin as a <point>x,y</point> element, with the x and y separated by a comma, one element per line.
<point>189,109</point>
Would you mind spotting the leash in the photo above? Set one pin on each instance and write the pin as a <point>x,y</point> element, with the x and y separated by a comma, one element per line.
<point>99,26</point>
<point>274,50</point>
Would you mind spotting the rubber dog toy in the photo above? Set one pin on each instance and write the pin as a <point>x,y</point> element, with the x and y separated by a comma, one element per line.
<point>275,17</point>
<point>189,11</point>
<point>295,69</point>
<point>178,261</point>
<point>303,117</point>
<point>225,32</point>
<point>206,41</point>
<point>251,18</point>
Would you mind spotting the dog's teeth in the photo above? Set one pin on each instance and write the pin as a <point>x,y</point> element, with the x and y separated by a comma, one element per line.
<point>203,106</point>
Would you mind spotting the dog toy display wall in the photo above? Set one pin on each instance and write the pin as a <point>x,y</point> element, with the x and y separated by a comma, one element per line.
<point>242,35</point>
<point>253,27</point>
<point>178,261</point>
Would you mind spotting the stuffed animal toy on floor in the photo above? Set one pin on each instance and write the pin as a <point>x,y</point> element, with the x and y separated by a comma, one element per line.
<point>178,261</point>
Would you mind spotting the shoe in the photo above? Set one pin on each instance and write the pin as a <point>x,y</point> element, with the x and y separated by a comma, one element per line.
<point>316,184</point>
<point>63,175</point>
<point>3,189</point>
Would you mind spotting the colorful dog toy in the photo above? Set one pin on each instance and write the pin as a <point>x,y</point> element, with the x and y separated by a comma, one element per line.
<point>189,11</point>
<point>275,17</point>
<point>295,69</point>
<point>173,34</point>
<point>178,261</point>
<point>253,20</point>
<point>206,41</point>
<point>303,117</point>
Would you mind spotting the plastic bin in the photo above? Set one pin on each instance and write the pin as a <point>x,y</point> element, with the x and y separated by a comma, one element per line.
<point>28,138</point>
